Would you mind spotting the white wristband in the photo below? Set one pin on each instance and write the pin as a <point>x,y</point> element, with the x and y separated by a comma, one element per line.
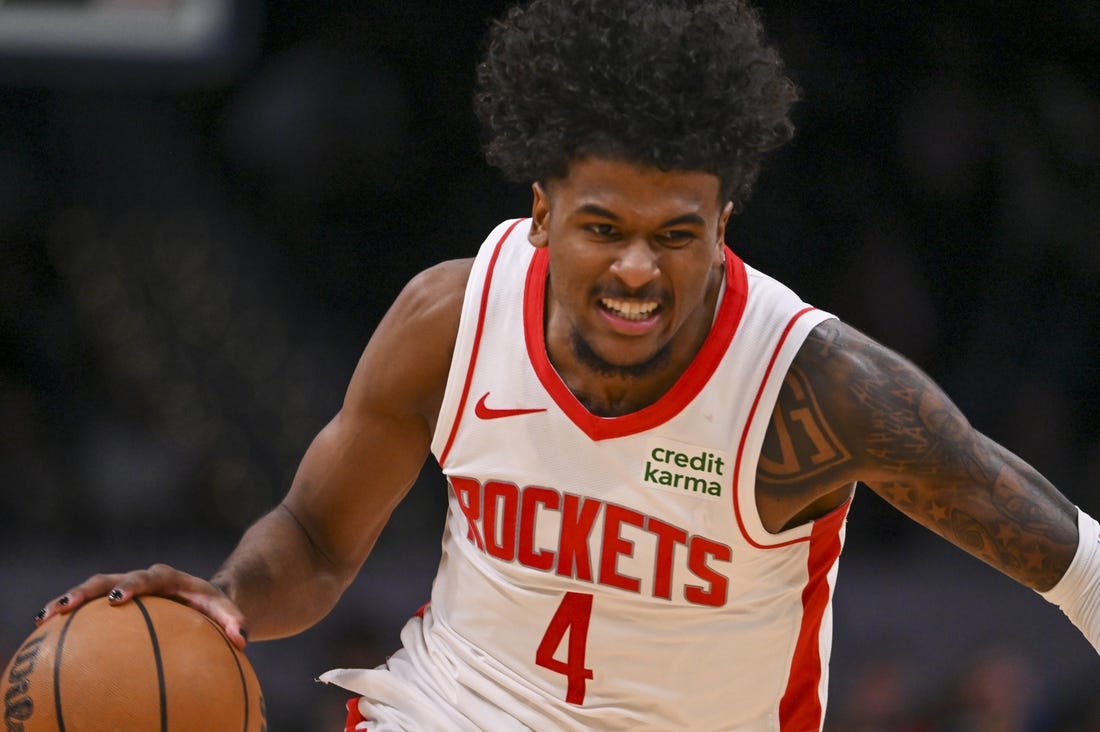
<point>1078,592</point>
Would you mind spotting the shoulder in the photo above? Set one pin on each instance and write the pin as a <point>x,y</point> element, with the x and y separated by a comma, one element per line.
<point>441,283</point>
<point>879,407</point>
<point>430,303</point>
<point>405,363</point>
<point>853,376</point>
<point>856,374</point>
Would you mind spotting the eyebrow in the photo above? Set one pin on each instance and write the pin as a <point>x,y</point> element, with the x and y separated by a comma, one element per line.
<point>594,210</point>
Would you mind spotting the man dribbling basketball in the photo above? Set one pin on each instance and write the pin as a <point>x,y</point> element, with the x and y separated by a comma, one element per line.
<point>650,446</point>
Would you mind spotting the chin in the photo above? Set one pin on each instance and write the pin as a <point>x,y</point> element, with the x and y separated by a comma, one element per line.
<point>607,365</point>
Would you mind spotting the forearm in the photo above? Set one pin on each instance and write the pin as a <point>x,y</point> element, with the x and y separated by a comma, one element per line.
<point>997,508</point>
<point>279,579</point>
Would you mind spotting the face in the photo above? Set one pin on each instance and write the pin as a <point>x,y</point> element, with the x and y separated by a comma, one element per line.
<point>635,263</point>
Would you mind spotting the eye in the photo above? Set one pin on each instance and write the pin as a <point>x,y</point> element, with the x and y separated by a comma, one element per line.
<point>675,238</point>
<point>601,230</point>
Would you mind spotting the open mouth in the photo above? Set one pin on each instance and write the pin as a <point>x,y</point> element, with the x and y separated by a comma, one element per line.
<point>629,309</point>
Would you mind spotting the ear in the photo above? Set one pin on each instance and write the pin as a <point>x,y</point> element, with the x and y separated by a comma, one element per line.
<point>539,235</point>
<point>719,252</point>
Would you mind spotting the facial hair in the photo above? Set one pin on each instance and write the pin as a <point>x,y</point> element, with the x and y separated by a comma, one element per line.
<point>592,360</point>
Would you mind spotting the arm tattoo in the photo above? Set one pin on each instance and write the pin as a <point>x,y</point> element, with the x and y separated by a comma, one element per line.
<point>803,444</point>
<point>895,430</point>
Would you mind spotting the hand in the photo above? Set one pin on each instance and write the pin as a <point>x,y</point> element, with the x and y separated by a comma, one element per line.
<point>159,579</point>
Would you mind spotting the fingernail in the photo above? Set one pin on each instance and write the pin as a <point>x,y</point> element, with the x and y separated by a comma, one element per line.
<point>114,595</point>
<point>39,615</point>
<point>63,601</point>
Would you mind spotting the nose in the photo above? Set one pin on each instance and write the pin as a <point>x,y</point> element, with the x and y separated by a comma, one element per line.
<point>636,264</point>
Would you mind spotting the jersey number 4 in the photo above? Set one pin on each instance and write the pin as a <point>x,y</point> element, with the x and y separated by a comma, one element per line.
<point>571,617</point>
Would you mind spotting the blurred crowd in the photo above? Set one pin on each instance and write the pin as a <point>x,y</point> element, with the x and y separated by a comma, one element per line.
<point>189,269</point>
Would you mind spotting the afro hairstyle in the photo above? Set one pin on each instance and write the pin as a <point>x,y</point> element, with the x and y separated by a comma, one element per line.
<point>673,84</point>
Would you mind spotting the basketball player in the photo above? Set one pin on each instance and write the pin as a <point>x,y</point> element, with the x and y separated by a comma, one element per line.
<point>650,446</point>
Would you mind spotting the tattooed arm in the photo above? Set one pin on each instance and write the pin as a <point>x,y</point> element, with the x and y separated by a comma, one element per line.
<point>852,410</point>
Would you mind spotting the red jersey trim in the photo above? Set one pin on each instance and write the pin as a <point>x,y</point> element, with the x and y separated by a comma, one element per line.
<point>800,708</point>
<point>477,341</point>
<point>682,392</point>
<point>745,435</point>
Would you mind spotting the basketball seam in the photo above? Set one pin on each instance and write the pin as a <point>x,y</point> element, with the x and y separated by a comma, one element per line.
<point>57,670</point>
<point>159,664</point>
<point>240,672</point>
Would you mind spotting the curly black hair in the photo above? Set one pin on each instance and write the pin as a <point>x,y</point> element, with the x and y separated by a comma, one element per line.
<point>676,84</point>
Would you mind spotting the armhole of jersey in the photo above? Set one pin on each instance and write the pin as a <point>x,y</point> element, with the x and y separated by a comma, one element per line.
<point>752,440</point>
<point>469,328</point>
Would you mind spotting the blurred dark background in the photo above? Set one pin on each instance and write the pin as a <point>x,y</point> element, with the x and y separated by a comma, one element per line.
<point>206,205</point>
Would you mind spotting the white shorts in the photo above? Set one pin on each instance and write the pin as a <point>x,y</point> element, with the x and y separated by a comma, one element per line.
<point>414,691</point>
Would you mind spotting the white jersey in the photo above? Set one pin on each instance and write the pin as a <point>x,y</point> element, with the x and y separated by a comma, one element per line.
<point>612,573</point>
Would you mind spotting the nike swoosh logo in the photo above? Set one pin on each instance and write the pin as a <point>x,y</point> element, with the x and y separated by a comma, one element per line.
<point>484,412</point>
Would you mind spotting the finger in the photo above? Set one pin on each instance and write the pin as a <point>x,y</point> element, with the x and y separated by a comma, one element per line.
<point>215,604</point>
<point>157,579</point>
<point>232,622</point>
<point>161,579</point>
<point>225,613</point>
<point>117,588</point>
<point>91,588</point>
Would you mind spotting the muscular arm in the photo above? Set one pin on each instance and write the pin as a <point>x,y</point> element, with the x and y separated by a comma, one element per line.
<point>291,567</point>
<point>866,414</point>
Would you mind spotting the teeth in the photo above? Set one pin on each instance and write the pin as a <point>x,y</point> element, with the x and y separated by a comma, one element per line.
<point>629,310</point>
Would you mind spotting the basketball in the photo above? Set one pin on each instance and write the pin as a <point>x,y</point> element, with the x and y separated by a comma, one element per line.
<point>148,665</point>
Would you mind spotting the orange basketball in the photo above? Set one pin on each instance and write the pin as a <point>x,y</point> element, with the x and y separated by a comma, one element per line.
<point>149,665</point>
